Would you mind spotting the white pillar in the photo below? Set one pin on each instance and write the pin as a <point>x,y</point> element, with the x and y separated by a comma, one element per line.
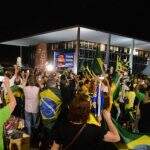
<point>131,56</point>
<point>76,55</point>
<point>21,52</point>
<point>108,51</point>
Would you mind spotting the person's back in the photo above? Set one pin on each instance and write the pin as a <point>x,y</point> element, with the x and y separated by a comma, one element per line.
<point>91,137</point>
<point>31,93</point>
<point>144,122</point>
<point>31,98</point>
<point>64,89</point>
<point>78,134</point>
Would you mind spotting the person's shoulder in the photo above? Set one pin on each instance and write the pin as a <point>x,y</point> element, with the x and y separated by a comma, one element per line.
<point>98,130</point>
<point>146,104</point>
<point>5,113</point>
<point>38,88</point>
<point>92,126</point>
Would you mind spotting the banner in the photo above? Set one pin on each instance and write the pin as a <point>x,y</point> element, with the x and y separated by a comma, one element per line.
<point>64,59</point>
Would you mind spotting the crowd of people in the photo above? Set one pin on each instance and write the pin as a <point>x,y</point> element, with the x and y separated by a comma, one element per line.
<point>61,112</point>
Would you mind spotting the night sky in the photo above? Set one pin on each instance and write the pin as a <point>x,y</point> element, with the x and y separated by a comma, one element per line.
<point>120,16</point>
<point>24,18</point>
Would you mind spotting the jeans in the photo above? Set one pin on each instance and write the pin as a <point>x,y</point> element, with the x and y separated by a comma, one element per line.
<point>31,120</point>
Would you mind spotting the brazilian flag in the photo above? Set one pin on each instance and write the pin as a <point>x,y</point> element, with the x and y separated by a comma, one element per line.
<point>115,87</point>
<point>97,66</point>
<point>17,91</point>
<point>50,106</point>
<point>133,140</point>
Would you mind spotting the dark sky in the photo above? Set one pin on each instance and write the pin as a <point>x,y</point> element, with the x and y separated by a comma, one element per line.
<point>119,16</point>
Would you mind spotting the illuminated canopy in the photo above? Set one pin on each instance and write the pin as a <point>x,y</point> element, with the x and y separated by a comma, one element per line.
<point>87,34</point>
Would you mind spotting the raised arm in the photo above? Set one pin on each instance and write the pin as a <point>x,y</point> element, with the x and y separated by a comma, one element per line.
<point>55,146</point>
<point>24,82</point>
<point>16,70</point>
<point>12,100</point>
<point>112,135</point>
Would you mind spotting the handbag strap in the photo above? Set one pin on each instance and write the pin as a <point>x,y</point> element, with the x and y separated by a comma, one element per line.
<point>76,136</point>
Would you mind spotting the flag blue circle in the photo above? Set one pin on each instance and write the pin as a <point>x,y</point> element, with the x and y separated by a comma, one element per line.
<point>48,108</point>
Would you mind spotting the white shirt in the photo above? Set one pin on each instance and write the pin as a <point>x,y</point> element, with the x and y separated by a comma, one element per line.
<point>31,99</point>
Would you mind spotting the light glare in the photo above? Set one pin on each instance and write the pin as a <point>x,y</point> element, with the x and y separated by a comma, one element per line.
<point>49,67</point>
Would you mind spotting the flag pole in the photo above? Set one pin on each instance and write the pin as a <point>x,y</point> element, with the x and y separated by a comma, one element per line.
<point>99,98</point>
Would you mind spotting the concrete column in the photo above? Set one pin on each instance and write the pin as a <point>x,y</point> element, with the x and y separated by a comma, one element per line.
<point>107,51</point>
<point>77,51</point>
<point>21,52</point>
<point>131,56</point>
<point>41,56</point>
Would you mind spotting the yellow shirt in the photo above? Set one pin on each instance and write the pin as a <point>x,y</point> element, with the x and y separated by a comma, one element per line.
<point>131,97</point>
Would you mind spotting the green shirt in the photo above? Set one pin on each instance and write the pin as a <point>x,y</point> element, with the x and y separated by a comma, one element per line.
<point>140,96</point>
<point>5,113</point>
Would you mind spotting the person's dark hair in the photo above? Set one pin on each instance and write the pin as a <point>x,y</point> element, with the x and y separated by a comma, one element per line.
<point>31,81</point>
<point>104,82</point>
<point>131,88</point>
<point>63,77</point>
<point>81,75</point>
<point>79,109</point>
<point>81,83</point>
<point>87,81</point>
<point>48,84</point>
<point>8,74</point>
<point>51,81</point>
<point>17,81</point>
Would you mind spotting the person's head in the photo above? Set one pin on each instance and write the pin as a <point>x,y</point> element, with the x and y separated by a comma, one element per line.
<point>87,83</point>
<point>92,88</point>
<point>63,80</point>
<point>72,76</point>
<point>8,74</point>
<point>63,77</point>
<point>79,109</point>
<point>82,89</point>
<point>131,88</point>
<point>17,81</point>
<point>31,81</point>
<point>111,70</point>
<point>104,82</point>
<point>52,80</point>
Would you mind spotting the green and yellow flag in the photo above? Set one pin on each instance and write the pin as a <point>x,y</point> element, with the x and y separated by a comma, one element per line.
<point>97,66</point>
<point>133,140</point>
<point>50,106</point>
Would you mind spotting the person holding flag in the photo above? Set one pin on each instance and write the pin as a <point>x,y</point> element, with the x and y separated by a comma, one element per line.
<point>50,109</point>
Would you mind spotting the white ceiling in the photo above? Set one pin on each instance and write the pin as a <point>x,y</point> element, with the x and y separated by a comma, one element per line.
<point>50,37</point>
<point>85,34</point>
<point>121,41</point>
<point>93,35</point>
